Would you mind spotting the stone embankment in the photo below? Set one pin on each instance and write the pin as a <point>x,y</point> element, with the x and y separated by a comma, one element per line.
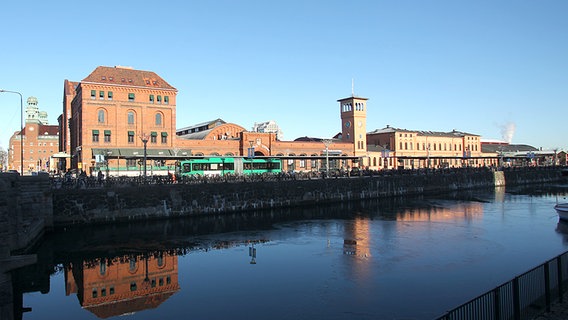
<point>105,205</point>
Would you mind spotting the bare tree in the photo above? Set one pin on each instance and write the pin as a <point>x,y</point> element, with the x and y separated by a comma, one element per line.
<point>3,160</point>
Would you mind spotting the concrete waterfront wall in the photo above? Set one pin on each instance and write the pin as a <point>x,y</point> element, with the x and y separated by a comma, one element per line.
<point>25,210</point>
<point>162,201</point>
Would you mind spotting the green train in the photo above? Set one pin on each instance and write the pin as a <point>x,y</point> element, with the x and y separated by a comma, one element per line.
<point>227,165</point>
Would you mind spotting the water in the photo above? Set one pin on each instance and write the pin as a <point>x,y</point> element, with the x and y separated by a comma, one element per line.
<point>389,259</point>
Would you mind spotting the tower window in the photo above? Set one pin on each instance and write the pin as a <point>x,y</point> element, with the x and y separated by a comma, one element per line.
<point>131,97</point>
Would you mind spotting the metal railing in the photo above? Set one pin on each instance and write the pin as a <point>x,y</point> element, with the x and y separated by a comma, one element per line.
<point>524,297</point>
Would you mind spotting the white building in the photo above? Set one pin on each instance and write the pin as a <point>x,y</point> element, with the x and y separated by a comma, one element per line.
<point>268,127</point>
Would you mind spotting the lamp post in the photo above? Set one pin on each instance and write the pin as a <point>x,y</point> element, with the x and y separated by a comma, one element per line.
<point>144,138</point>
<point>251,154</point>
<point>21,129</point>
<point>327,143</point>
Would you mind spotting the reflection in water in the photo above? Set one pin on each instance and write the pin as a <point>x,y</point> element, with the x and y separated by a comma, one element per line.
<point>123,285</point>
<point>126,268</point>
<point>443,212</point>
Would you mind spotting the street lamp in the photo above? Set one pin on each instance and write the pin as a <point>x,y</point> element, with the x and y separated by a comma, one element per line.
<point>251,153</point>
<point>144,138</point>
<point>21,129</point>
<point>327,143</point>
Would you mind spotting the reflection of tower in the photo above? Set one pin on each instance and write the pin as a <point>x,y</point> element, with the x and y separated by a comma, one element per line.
<point>252,254</point>
<point>357,239</point>
<point>124,284</point>
<point>357,243</point>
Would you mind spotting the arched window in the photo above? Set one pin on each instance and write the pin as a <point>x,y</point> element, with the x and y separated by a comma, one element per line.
<point>101,116</point>
<point>131,118</point>
<point>158,119</point>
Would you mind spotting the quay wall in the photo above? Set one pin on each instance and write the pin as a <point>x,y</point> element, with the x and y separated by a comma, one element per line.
<point>106,205</point>
<point>26,210</point>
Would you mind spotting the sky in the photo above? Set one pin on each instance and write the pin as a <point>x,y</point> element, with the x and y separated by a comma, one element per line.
<point>496,68</point>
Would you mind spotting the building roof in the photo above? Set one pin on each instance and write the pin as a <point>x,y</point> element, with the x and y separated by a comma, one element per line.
<point>69,87</point>
<point>127,76</point>
<point>494,148</point>
<point>208,124</point>
<point>42,129</point>
<point>453,133</point>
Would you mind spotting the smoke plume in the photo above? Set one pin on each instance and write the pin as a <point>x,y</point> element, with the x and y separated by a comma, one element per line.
<point>507,131</point>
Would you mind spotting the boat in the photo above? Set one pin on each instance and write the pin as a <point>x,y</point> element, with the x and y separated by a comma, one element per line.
<point>562,210</point>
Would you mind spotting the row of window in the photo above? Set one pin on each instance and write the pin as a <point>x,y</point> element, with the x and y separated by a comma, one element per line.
<point>103,292</point>
<point>107,136</point>
<point>131,117</point>
<point>134,286</point>
<point>359,106</point>
<point>131,97</point>
<point>431,147</point>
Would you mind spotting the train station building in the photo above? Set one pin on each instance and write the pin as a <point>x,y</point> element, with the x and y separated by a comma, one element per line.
<point>118,118</point>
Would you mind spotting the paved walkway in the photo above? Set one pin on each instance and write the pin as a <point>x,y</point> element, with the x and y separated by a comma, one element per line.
<point>558,311</point>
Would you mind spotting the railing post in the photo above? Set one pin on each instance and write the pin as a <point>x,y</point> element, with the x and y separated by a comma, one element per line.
<point>547,286</point>
<point>516,299</point>
<point>497,303</point>
<point>560,281</point>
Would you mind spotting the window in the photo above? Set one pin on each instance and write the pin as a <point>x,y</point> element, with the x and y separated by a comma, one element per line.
<point>107,136</point>
<point>164,137</point>
<point>130,117</point>
<point>151,98</point>
<point>109,95</point>
<point>93,94</point>
<point>101,116</point>
<point>132,261</point>
<point>158,119</point>
<point>153,137</point>
<point>166,99</point>
<point>131,97</point>
<point>95,135</point>
<point>102,267</point>
<point>101,95</point>
<point>131,162</point>
<point>130,136</point>
<point>133,286</point>
<point>159,98</point>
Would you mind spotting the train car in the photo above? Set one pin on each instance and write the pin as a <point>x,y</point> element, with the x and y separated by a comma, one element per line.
<point>227,165</point>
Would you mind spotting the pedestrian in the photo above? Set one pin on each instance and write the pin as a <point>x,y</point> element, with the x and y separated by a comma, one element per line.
<point>100,177</point>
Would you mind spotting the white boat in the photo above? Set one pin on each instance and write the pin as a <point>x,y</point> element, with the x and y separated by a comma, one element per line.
<point>562,210</point>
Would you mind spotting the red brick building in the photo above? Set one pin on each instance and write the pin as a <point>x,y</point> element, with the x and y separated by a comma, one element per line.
<point>107,115</point>
<point>40,142</point>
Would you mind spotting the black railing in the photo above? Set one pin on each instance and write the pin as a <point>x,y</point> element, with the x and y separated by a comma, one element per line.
<point>524,297</point>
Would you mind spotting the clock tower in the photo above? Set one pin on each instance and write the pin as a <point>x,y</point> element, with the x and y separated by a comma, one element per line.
<point>354,123</point>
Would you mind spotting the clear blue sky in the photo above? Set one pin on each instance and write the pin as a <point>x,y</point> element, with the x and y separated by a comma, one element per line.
<point>474,66</point>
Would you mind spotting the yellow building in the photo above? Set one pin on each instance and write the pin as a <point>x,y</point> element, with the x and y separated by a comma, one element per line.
<point>413,149</point>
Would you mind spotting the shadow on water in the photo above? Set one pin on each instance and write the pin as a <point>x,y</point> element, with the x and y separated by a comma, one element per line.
<point>143,255</point>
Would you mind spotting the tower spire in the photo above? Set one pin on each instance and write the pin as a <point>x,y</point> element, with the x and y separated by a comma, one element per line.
<point>352,87</point>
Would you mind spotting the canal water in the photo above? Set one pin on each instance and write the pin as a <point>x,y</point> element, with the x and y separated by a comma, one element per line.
<point>403,258</point>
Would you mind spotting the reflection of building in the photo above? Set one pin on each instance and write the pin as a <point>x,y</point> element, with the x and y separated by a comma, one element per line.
<point>459,211</point>
<point>41,141</point>
<point>123,285</point>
